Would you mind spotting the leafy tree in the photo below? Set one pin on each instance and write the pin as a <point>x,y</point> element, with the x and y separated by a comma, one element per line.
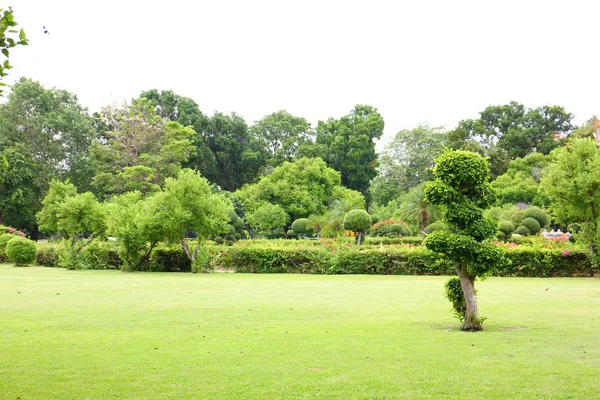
<point>9,38</point>
<point>142,149</point>
<point>520,183</point>
<point>49,216</point>
<point>187,204</point>
<point>281,135</point>
<point>416,209</point>
<point>461,186</point>
<point>573,184</point>
<point>339,207</point>
<point>358,221</point>
<point>268,217</point>
<point>407,161</point>
<point>301,188</point>
<point>347,145</point>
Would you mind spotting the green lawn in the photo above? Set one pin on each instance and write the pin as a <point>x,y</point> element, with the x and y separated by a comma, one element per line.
<point>112,335</point>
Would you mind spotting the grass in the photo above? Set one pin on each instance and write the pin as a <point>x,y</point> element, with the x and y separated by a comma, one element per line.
<point>114,335</point>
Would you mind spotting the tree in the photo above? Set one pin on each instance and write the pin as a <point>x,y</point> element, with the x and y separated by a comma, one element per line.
<point>407,161</point>
<point>461,186</point>
<point>9,39</point>
<point>520,183</point>
<point>347,145</point>
<point>301,188</point>
<point>267,218</point>
<point>282,134</point>
<point>141,151</point>
<point>358,221</point>
<point>416,209</point>
<point>573,184</point>
<point>344,202</point>
<point>188,205</point>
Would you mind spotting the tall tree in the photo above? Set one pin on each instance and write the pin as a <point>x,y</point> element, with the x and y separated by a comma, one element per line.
<point>407,161</point>
<point>282,134</point>
<point>348,146</point>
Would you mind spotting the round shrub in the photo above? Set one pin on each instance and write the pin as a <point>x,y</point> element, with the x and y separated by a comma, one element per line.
<point>501,236</point>
<point>300,226</point>
<point>230,229</point>
<point>238,224</point>
<point>573,228</point>
<point>532,224</point>
<point>4,238</point>
<point>229,242</point>
<point>218,240</point>
<point>436,226</point>
<point>506,227</point>
<point>522,230</point>
<point>389,228</point>
<point>21,251</point>
<point>357,220</point>
<point>375,218</point>
<point>538,214</point>
<point>291,234</point>
<point>232,216</point>
<point>237,236</point>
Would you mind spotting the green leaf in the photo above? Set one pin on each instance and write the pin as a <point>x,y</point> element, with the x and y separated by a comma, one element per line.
<point>22,35</point>
<point>5,52</point>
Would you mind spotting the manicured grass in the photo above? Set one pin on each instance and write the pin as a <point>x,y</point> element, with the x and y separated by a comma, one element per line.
<point>113,335</point>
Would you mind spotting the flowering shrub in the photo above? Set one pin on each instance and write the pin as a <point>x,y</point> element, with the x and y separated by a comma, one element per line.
<point>389,228</point>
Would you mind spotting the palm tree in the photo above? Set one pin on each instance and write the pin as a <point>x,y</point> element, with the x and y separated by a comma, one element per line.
<point>417,210</point>
<point>338,210</point>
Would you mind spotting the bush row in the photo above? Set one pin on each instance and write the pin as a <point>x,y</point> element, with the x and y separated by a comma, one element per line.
<point>392,260</point>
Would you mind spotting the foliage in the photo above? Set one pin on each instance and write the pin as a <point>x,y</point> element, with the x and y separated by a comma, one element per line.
<point>523,230</point>
<point>415,208</point>
<point>506,227</point>
<point>407,161</point>
<point>389,228</point>
<point>436,226</point>
<point>9,38</point>
<point>520,183</point>
<point>506,212</point>
<point>345,200</point>
<point>267,218</point>
<point>47,256</point>
<point>170,259</point>
<point>20,250</point>
<point>358,221</point>
<point>532,224</point>
<point>4,239</point>
<point>302,227</point>
<point>461,185</point>
<point>347,145</point>
<point>538,214</point>
<point>454,293</point>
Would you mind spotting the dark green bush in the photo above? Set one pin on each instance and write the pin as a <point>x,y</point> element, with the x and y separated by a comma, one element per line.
<point>506,227</point>
<point>390,229</point>
<point>454,293</point>
<point>291,234</point>
<point>414,240</point>
<point>102,255</point>
<point>573,228</point>
<point>522,230</point>
<point>47,256</point>
<point>263,259</point>
<point>21,251</point>
<point>356,220</point>
<point>238,224</point>
<point>532,224</point>
<point>528,261</point>
<point>218,240</point>
<point>169,259</point>
<point>538,214</point>
<point>301,227</point>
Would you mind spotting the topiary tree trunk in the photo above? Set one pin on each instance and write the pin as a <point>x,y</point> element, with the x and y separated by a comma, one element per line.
<point>462,185</point>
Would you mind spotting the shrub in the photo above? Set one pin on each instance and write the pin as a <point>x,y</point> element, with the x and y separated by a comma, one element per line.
<point>454,293</point>
<point>238,224</point>
<point>169,259</point>
<point>501,236</point>
<point>436,226</point>
<point>532,224</point>
<point>506,227</point>
<point>4,238</point>
<point>21,251</point>
<point>390,229</point>
<point>573,228</point>
<point>379,240</point>
<point>292,234</point>
<point>47,256</point>
<point>538,214</point>
<point>522,231</point>
<point>301,226</point>
<point>218,240</point>
<point>104,255</point>
<point>357,220</point>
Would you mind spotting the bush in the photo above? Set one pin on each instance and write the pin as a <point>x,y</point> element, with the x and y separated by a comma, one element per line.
<point>506,227</point>
<point>573,228</point>
<point>219,240</point>
<point>501,236</point>
<point>102,255</point>
<point>357,220</point>
<point>292,234</point>
<point>238,224</point>
<point>436,226</point>
<point>538,214</point>
<point>300,226</point>
<point>454,293</point>
<point>169,259</point>
<point>21,251</point>
<point>390,229</point>
<point>412,240</point>
<point>47,256</point>
<point>532,224</point>
<point>522,230</point>
<point>4,238</point>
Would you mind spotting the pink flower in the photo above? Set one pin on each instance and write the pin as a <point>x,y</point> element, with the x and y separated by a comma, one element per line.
<point>518,268</point>
<point>565,253</point>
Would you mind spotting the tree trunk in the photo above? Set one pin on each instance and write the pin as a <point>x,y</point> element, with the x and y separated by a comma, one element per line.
<point>471,322</point>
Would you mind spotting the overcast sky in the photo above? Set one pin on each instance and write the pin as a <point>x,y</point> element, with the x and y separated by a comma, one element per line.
<point>433,62</point>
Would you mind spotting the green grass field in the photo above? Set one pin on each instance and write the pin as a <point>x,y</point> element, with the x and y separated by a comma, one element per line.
<point>114,335</point>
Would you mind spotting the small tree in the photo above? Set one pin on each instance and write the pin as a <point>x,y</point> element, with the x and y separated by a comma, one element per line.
<point>267,218</point>
<point>462,185</point>
<point>358,221</point>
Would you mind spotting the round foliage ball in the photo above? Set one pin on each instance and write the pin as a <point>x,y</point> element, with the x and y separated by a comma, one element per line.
<point>357,220</point>
<point>501,236</point>
<point>532,224</point>
<point>232,216</point>
<point>237,236</point>
<point>538,214</point>
<point>4,238</point>
<point>20,250</point>
<point>218,240</point>
<point>230,229</point>
<point>300,226</point>
<point>238,224</point>
<point>506,227</point>
<point>436,226</point>
<point>375,218</point>
<point>522,230</point>
<point>291,234</point>
<point>573,228</point>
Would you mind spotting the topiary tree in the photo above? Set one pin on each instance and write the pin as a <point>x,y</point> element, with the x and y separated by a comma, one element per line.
<point>302,226</point>
<point>507,228</point>
<point>532,224</point>
<point>522,230</point>
<point>21,251</point>
<point>462,186</point>
<point>538,214</point>
<point>358,221</point>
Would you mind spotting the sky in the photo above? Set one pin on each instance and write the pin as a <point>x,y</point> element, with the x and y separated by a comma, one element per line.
<point>418,62</point>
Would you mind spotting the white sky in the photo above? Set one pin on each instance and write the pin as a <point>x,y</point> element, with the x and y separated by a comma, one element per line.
<point>434,62</point>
